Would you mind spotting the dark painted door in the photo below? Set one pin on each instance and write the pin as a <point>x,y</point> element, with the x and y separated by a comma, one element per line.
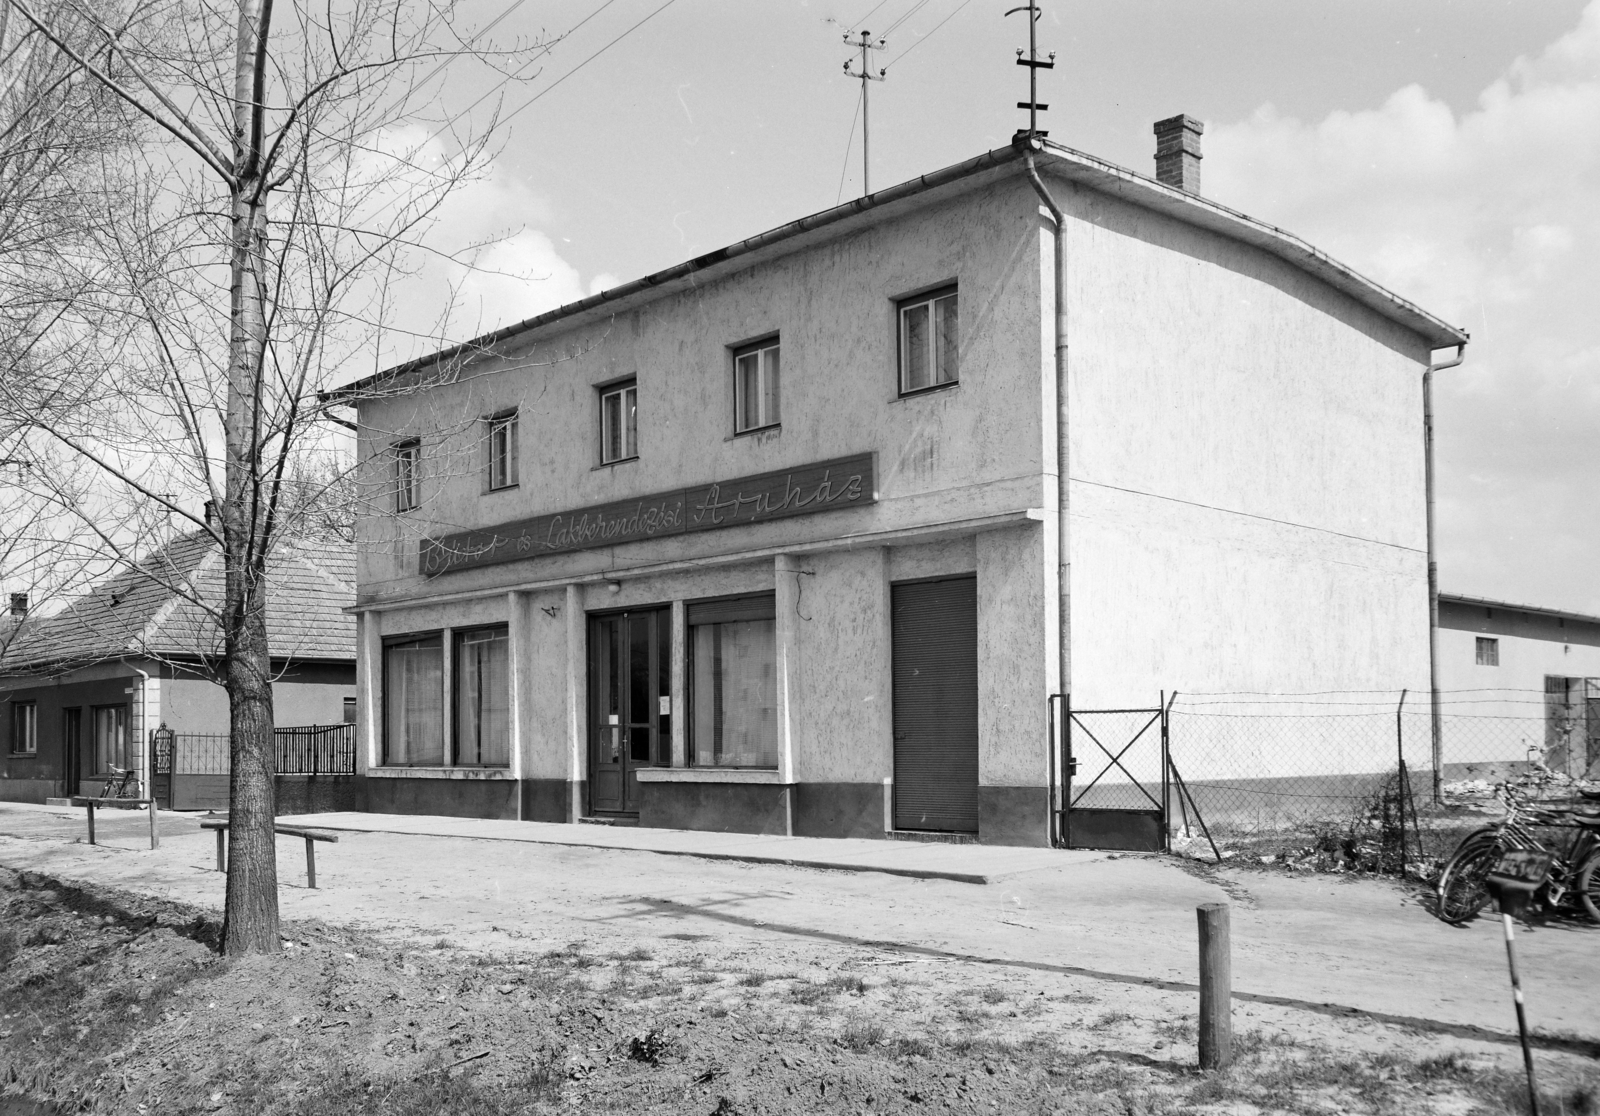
<point>630,722</point>
<point>935,634</point>
<point>71,750</point>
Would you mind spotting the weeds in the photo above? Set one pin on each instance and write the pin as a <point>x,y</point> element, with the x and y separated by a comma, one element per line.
<point>861,1035</point>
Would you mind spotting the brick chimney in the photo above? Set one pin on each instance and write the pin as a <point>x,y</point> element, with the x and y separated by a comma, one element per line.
<point>19,604</point>
<point>1178,152</point>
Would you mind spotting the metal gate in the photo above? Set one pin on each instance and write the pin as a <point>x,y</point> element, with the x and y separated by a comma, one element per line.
<point>1114,783</point>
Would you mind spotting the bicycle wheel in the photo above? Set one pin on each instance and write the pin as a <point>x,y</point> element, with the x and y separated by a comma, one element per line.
<point>1462,890</point>
<point>1589,886</point>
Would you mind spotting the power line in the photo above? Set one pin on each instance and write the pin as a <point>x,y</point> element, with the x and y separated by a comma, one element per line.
<point>915,8</point>
<point>520,69</point>
<point>870,14</point>
<point>929,35</point>
<point>845,166</point>
<point>588,60</point>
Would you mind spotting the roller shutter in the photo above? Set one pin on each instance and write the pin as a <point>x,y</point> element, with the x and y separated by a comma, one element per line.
<point>935,633</point>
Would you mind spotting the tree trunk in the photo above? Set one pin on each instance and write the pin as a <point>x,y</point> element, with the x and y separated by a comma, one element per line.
<point>250,918</point>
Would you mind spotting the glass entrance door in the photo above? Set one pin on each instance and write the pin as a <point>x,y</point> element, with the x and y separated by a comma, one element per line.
<point>630,704</point>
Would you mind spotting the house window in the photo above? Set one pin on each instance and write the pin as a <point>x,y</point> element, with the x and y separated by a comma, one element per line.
<point>733,683</point>
<point>25,728</point>
<point>110,738</point>
<point>929,341</point>
<point>503,451</point>
<point>349,710</point>
<point>619,423</point>
<point>482,669</point>
<point>755,386</point>
<point>407,475</point>
<point>413,702</point>
<point>1488,651</point>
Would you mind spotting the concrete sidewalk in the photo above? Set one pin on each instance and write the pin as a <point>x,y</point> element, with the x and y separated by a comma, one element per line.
<point>923,860</point>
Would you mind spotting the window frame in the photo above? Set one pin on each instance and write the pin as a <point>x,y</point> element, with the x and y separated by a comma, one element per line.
<point>756,607</point>
<point>94,735</point>
<point>407,477</point>
<point>1487,651</point>
<point>759,349</point>
<point>418,638</point>
<point>459,636</point>
<point>928,298</point>
<point>630,429</point>
<point>500,425</point>
<point>30,745</point>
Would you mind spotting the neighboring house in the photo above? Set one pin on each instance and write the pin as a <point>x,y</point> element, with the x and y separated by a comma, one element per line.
<point>774,540</point>
<point>1531,674</point>
<point>83,690</point>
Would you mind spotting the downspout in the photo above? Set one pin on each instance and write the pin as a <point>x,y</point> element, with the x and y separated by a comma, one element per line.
<point>146,764</point>
<point>1435,728</point>
<point>1063,554</point>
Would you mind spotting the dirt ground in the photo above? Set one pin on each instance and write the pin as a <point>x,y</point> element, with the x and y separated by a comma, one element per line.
<point>443,975</point>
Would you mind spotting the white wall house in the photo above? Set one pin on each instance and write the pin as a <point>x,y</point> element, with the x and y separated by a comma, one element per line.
<point>775,540</point>
<point>1516,679</point>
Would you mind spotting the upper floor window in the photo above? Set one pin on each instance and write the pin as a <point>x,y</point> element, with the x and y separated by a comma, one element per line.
<point>755,386</point>
<point>503,451</point>
<point>407,475</point>
<point>25,728</point>
<point>929,341</point>
<point>1488,651</point>
<point>619,422</point>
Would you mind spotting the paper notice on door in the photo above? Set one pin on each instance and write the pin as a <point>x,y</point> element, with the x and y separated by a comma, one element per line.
<point>613,720</point>
<point>666,705</point>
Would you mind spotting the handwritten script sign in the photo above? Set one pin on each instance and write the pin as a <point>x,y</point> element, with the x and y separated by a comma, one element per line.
<point>844,482</point>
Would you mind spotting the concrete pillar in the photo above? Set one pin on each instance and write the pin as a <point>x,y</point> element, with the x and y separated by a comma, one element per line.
<point>787,576</point>
<point>520,640</point>
<point>577,708</point>
<point>369,691</point>
<point>680,684</point>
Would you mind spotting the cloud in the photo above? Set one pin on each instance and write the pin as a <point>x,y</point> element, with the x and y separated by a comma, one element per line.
<point>1490,219</point>
<point>487,262</point>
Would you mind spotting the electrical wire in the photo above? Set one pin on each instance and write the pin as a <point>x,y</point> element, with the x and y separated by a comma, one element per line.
<point>588,60</point>
<point>848,144</point>
<point>519,70</point>
<point>915,8</point>
<point>870,14</point>
<point>929,35</point>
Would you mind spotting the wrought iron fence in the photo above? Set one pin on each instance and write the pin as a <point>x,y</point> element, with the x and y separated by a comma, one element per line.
<point>300,750</point>
<point>316,749</point>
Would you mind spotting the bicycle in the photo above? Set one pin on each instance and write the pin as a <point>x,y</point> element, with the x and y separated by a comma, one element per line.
<point>1574,878</point>
<point>124,783</point>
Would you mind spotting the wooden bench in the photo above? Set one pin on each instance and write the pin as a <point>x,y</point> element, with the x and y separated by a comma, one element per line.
<point>220,825</point>
<point>118,804</point>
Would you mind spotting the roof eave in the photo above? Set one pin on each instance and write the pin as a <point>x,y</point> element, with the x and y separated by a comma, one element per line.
<point>1107,177</point>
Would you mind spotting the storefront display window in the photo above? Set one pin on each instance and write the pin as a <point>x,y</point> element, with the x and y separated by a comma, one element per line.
<point>733,686</point>
<point>413,711</point>
<point>483,698</point>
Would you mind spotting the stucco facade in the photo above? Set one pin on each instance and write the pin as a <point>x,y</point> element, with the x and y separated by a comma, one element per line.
<point>1245,504</point>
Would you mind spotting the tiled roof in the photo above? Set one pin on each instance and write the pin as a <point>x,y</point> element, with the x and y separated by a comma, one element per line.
<point>150,609</point>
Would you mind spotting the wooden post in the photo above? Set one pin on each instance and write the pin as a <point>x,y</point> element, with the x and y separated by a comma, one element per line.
<point>155,838</point>
<point>311,864</point>
<point>1216,987</point>
<point>90,805</point>
<point>222,850</point>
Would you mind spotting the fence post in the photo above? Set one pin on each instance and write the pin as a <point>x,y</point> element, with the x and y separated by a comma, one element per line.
<point>1216,987</point>
<point>1400,779</point>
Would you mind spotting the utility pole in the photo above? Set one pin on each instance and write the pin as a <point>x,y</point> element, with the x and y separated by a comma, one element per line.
<point>865,75</point>
<point>1034,66</point>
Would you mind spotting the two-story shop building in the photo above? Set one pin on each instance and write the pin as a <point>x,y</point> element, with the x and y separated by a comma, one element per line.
<point>776,541</point>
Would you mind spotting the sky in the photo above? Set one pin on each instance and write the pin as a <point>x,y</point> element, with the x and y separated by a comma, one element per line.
<point>1449,150</point>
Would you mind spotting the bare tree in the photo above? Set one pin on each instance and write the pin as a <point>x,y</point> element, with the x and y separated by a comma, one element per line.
<point>297,170</point>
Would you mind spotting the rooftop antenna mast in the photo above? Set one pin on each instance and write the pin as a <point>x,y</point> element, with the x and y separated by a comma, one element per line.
<point>1034,66</point>
<point>865,75</point>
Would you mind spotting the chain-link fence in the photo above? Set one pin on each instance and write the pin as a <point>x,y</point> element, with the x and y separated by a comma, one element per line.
<point>1285,767</point>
